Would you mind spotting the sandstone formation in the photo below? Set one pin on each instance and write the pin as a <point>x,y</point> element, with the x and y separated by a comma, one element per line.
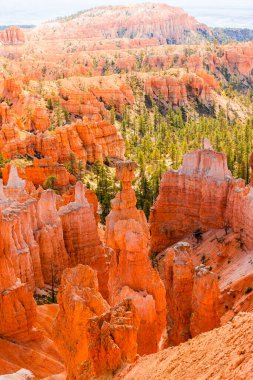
<point>131,273</point>
<point>192,298</point>
<point>176,92</point>
<point>223,353</point>
<point>192,198</point>
<point>81,237</point>
<point>18,311</point>
<point>12,36</point>
<point>200,196</point>
<point>205,298</point>
<point>38,356</point>
<point>177,274</point>
<point>94,339</point>
<point>49,235</point>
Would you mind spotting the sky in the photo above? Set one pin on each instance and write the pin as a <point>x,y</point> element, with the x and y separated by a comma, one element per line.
<point>234,13</point>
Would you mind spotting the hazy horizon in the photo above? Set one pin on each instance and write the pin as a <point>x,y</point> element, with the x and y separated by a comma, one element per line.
<point>212,13</point>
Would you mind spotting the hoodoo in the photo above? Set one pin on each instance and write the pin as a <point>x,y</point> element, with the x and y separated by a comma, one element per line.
<point>205,299</point>
<point>93,338</point>
<point>81,237</point>
<point>131,273</point>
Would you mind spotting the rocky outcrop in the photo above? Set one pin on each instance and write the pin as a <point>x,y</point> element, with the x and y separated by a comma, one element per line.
<point>12,36</point>
<point>177,91</point>
<point>32,235</point>
<point>131,273</point>
<point>192,296</point>
<point>90,195</point>
<point>81,237</point>
<point>177,273</point>
<point>239,211</point>
<point>117,98</point>
<point>17,311</point>
<point>239,59</point>
<point>93,339</point>
<point>124,204</point>
<point>39,356</point>
<point>17,306</point>
<point>205,298</point>
<point>32,128</point>
<point>192,198</point>
<point>49,235</point>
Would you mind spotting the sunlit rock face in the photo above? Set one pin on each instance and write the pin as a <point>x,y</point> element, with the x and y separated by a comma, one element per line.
<point>192,294</point>
<point>177,270</point>
<point>12,36</point>
<point>81,237</point>
<point>131,273</point>
<point>93,338</point>
<point>205,298</point>
<point>17,306</point>
<point>49,235</point>
<point>194,197</point>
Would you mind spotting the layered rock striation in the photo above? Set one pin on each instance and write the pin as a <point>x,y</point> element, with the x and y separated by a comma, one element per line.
<point>131,273</point>
<point>12,36</point>
<point>192,198</point>
<point>205,298</point>
<point>200,196</point>
<point>81,237</point>
<point>93,338</point>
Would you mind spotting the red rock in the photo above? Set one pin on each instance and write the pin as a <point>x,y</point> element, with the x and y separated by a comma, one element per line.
<point>12,36</point>
<point>49,236</point>
<point>18,313</point>
<point>193,197</point>
<point>113,337</point>
<point>205,298</point>
<point>177,273</point>
<point>131,273</point>
<point>17,306</point>
<point>124,204</point>
<point>179,91</point>
<point>90,195</point>
<point>94,339</point>
<point>40,170</point>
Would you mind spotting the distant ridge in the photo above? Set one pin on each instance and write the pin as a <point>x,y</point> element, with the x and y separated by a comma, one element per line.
<point>166,24</point>
<point>3,27</point>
